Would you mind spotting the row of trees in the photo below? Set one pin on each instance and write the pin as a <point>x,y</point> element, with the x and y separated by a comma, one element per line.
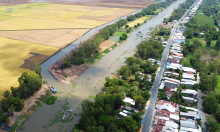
<point>91,46</point>
<point>179,12</point>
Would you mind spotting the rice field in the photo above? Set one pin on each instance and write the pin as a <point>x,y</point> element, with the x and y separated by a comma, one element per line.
<point>42,29</point>
<point>13,56</point>
<point>54,37</point>
<point>53,16</point>
<point>139,20</point>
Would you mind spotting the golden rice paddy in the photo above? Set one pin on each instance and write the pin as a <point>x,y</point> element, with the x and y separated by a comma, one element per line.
<point>43,28</point>
<point>13,56</point>
<point>139,20</point>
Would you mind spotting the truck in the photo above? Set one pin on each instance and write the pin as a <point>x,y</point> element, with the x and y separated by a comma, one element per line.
<point>52,89</point>
<point>66,115</point>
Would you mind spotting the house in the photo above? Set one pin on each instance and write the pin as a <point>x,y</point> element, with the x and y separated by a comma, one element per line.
<point>122,114</point>
<point>189,114</point>
<point>171,84</point>
<point>189,99</point>
<point>186,129</point>
<point>174,117</point>
<point>188,83</point>
<point>188,76</point>
<point>129,100</point>
<point>189,92</point>
<point>170,73</point>
<point>188,124</point>
<point>162,85</point>
<point>175,51</point>
<point>174,60</point>
<point>188,69</point>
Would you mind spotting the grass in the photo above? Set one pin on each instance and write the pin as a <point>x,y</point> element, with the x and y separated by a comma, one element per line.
<point>203,42</point>
<point>186,61</point>
<point>217,90</point>
<point>203,19</point>
<point>50,100</point>
<point>92,97</point>
<point>119,33</point>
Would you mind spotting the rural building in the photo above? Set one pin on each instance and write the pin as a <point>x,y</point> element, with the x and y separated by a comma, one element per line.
<point>188,69</point>
<point>188,124</point>
<point>129,100</point>
<point>188,76</point>
<point>189,99</point>
<point>172,83</point>
<point>189,92</point>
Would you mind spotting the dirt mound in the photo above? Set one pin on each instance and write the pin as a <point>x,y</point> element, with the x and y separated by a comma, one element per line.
<point>67,75</point>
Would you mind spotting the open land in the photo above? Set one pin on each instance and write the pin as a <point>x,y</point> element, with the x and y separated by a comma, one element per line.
<point>203,19</point>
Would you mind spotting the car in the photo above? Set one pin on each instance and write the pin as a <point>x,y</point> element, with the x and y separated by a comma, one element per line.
<point>152,90</point>
<point>52,89</point>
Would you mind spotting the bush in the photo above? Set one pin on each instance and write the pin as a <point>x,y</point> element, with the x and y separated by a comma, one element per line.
<point>138,24</point>
<point>126,26</point>
<point>50,100</point>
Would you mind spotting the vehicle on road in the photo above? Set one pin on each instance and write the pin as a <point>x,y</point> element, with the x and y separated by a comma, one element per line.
<point>152,90</point>
<point>141,35</point>
<point>66,115</point>
<point>52,89</point>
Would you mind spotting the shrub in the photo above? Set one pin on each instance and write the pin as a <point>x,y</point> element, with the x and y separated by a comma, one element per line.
<point>50,100</point>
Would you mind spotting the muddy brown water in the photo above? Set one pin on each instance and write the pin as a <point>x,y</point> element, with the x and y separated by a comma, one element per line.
<point>47,117</point>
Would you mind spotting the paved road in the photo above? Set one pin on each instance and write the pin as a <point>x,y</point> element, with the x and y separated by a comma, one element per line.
<point>201,110</point>
<point>89,83</point>
<point>150,112</point>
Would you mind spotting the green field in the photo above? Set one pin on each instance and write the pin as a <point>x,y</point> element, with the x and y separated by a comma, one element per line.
<point>202,40</point>
<point>119,33</point>
<point>203,19</point>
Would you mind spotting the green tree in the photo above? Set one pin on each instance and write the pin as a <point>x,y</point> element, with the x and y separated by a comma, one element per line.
<point>112,128</point>
<point>126,26</point>
<point>217,44</point>
<point>211,125</point>
<point>129,124</point>
<point>6,93</point>
<point>38,69</point>
<point>5,118</point>
<point>139,102</point>
<point>208,42</point>
<point>214,79</point>
<point>210,104</point>
<point>146,95</point>
<point>17,103</point>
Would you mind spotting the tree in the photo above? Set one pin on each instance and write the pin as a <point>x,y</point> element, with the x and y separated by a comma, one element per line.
<point>214,79</point>
<point>11,108</point>
<point>211,125</point>
<point>217,44</point>
<point>5,118</point>
<point>208,42</point>
<point>210,104</point>
<point>17,103</point>
<point>139,102</point>
<point>126,26</point>
<point>129,124</point>
<point>112,128</point>
<point>104,120</point>
<point>38,69</point>
<point>6,93</point>
<point>146,95</point>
